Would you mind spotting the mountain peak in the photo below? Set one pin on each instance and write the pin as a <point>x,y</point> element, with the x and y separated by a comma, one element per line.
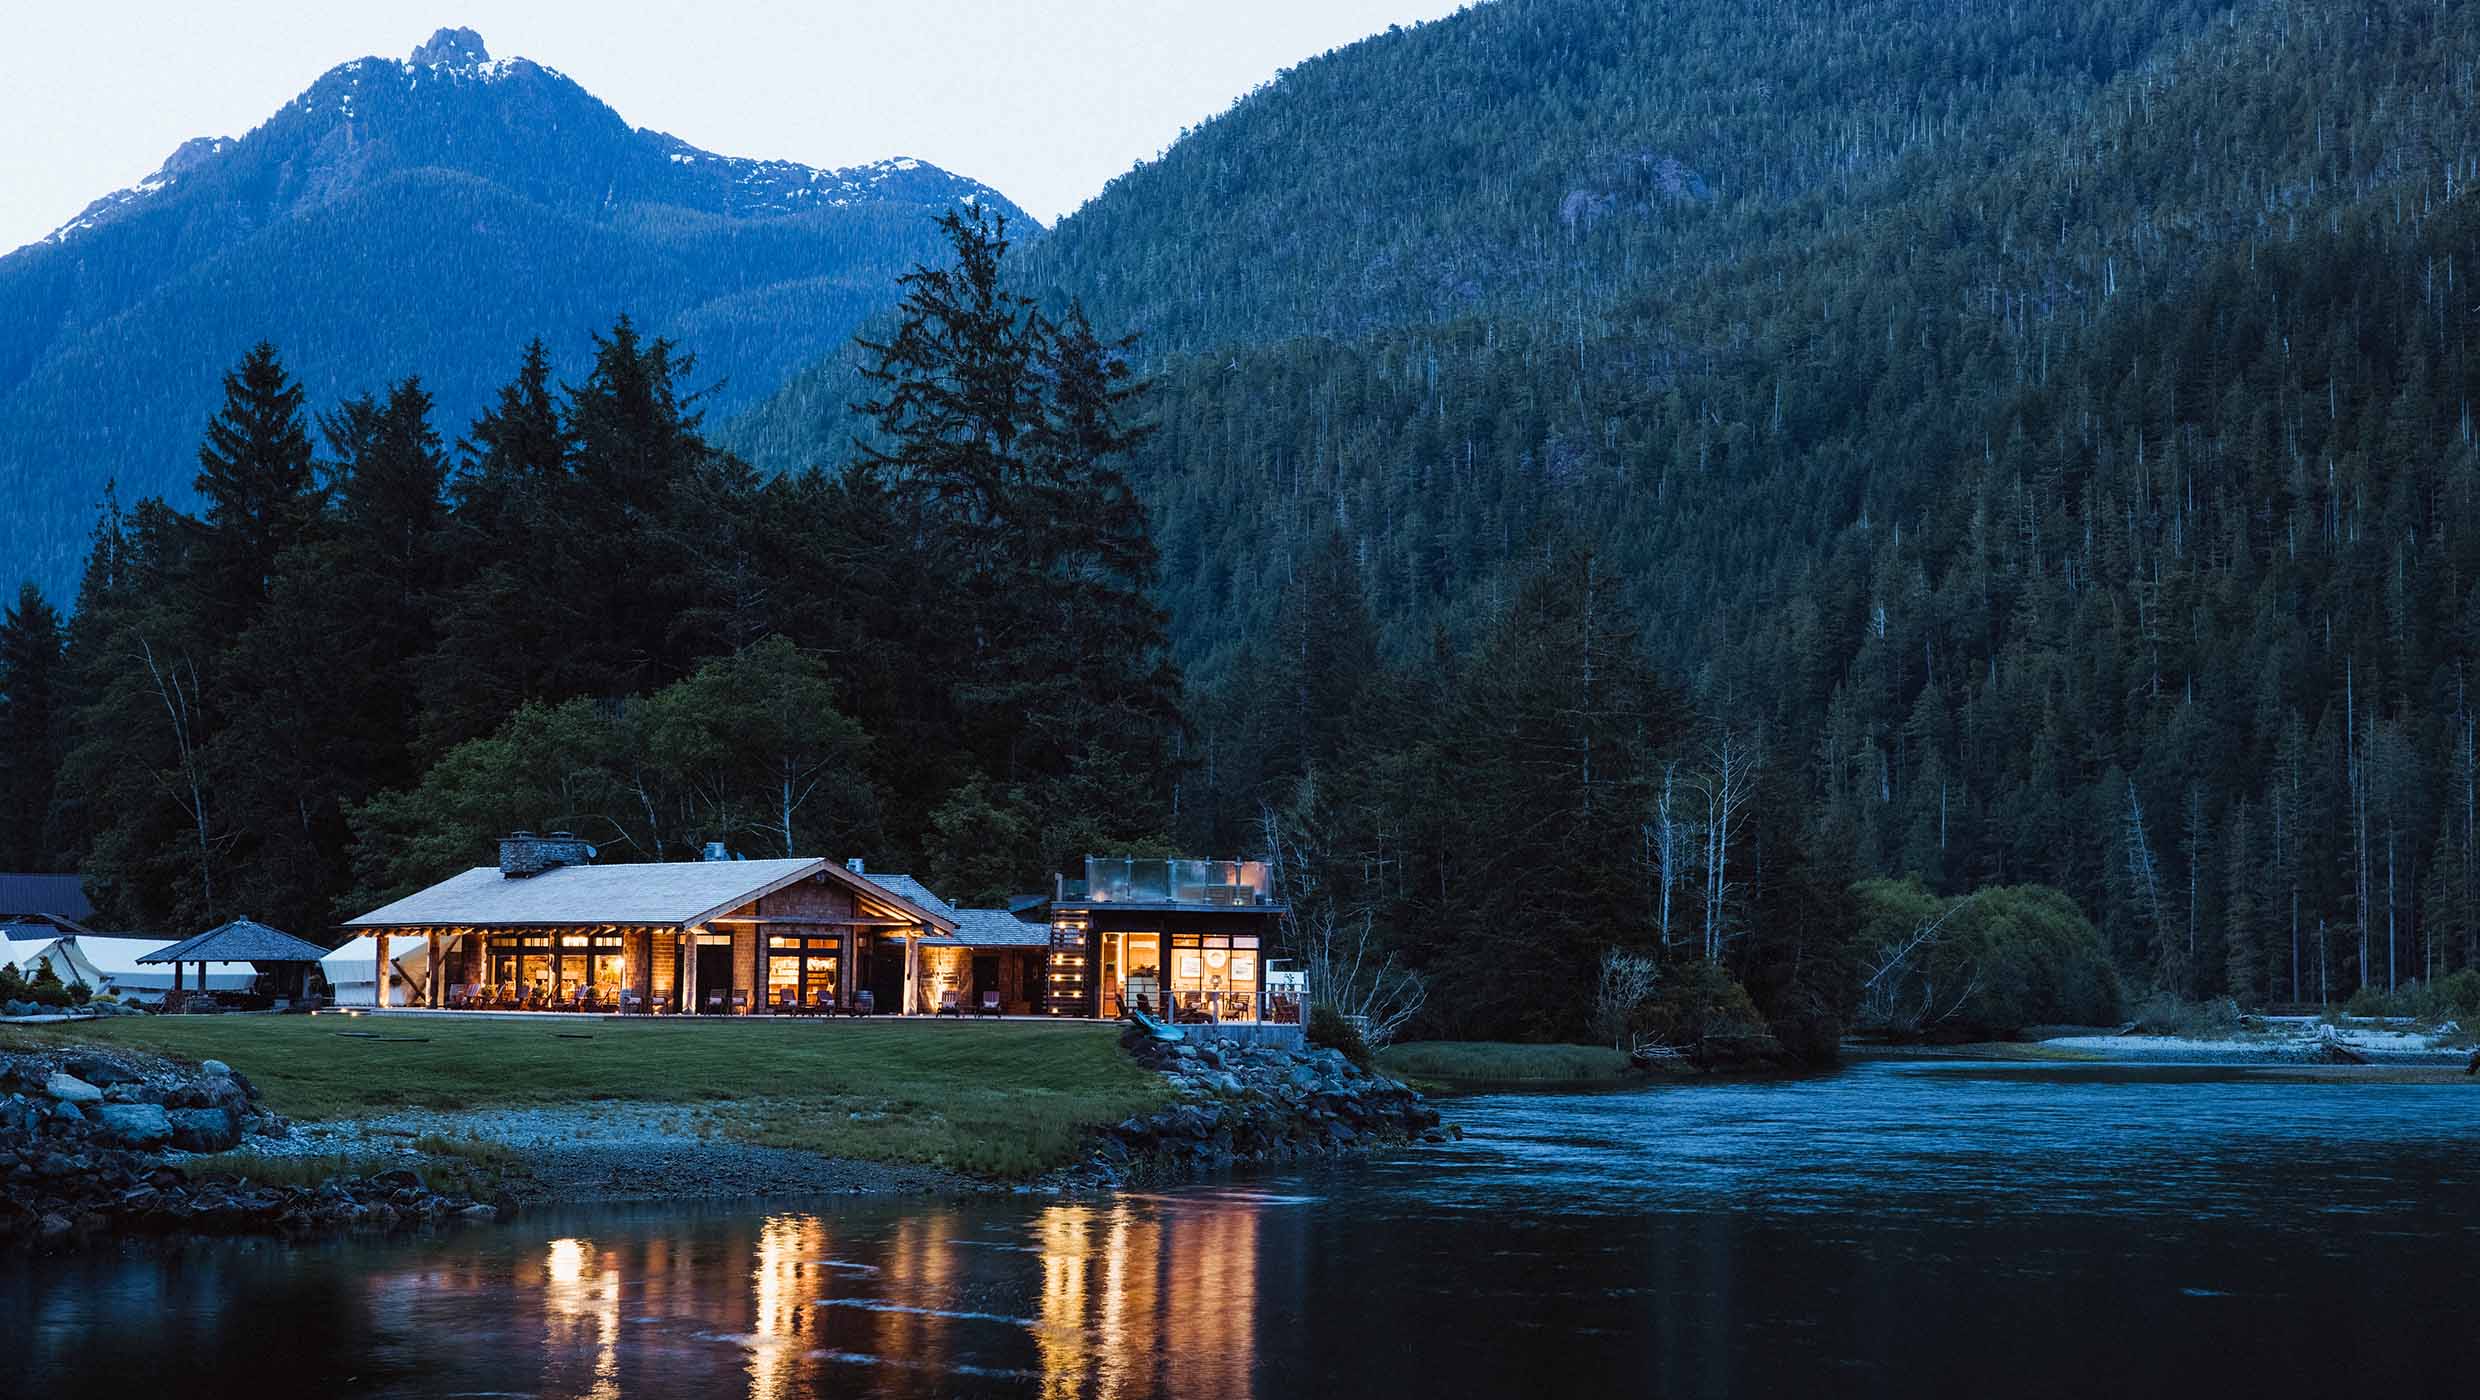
<point>454,48</point>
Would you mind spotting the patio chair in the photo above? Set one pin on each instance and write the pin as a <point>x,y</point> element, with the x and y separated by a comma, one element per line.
<point>951,1003</point>
<point>713,1004</point>
<point>740,1002</point>
<point>630,1002</point>
<point>989,1005</point>
<point>863,1003</point>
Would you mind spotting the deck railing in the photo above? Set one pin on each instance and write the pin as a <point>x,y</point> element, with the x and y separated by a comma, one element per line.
<point>1148,880</point>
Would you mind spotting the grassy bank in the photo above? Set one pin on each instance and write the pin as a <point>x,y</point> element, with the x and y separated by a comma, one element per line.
<point>1000,1100</point>
<point>1455,1064</point>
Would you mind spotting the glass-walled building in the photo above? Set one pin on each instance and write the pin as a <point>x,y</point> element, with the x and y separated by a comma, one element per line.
<point>1185,941</point>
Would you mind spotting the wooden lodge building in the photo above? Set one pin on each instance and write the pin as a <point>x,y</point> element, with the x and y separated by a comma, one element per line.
<point>546,929</point>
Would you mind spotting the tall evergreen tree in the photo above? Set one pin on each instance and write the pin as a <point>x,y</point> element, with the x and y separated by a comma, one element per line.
<point>32,730</point>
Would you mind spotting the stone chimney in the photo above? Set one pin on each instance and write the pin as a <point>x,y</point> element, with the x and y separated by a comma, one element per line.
<point>522,853</point>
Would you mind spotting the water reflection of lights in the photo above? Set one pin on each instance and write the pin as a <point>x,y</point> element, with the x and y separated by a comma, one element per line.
<point>581,1312</point>
<point>781,1283</point>
<point>1129,1288</point>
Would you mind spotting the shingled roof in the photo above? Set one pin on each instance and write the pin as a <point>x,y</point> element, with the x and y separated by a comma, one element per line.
<point>913,891</point>
<point>242,940</point>
<point>653,892</point>
<point>997,928</point>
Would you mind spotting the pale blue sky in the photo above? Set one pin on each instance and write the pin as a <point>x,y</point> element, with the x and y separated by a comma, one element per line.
<point>1046,101</point>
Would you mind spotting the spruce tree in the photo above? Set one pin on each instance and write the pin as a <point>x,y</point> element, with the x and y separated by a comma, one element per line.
<point>31,730</point>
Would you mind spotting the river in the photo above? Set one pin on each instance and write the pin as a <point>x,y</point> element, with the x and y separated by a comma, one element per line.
<point>1892,1229</point>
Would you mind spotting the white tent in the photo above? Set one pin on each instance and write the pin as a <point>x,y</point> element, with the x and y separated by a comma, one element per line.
<point>109,964</point>
<point>115,968</point>
<point>353,972</point>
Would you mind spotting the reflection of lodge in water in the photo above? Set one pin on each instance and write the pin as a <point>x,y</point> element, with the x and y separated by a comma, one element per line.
<point>1118,1299</point>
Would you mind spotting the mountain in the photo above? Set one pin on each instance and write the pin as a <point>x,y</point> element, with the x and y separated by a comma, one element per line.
<point>419,216</point>
<point>2045,427</point>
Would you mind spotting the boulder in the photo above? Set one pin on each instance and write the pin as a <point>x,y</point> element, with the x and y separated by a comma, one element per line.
<point>203,1129</point>
<point>133,1124</point>
<point>215,1069</point>
<point>68,1088</point>
<point>95,1069</point>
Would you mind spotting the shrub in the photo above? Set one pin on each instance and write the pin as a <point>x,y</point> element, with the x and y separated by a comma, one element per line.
<point>2163,1013</point>
<point>45,988</point>
<point>1700,1002</point>
<point>1328,1030</point>
<point>2004,958</point>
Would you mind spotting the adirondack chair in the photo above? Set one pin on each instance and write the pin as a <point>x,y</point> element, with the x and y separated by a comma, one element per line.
<point>989,1005</point>
<point>951,1003</point>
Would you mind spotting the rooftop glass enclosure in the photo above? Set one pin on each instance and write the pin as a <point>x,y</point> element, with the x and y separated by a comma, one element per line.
<point>1152,880</point>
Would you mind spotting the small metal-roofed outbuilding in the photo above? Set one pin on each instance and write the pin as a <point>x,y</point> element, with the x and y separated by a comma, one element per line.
<point>60,897</point>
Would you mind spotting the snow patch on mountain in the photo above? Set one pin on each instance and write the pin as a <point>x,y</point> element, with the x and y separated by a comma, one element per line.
<point>185,159</point>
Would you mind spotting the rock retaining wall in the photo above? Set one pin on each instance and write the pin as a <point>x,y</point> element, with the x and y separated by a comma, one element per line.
<point>1244,1104</point>
<point>89,1144</point>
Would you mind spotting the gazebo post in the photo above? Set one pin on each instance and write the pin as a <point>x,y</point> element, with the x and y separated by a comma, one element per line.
<point>379,967</point>
<point>430,979</point>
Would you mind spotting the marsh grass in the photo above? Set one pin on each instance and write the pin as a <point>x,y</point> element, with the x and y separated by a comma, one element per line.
<point>1451,1062</point>
<point>1004,1100</point>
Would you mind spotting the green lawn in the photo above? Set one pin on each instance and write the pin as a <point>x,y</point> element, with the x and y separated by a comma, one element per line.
<point>1450,1063</point>
<point>1004,1099</point>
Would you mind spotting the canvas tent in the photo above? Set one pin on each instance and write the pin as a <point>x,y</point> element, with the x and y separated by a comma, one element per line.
<point>351,971</point>
<point>110,964</point>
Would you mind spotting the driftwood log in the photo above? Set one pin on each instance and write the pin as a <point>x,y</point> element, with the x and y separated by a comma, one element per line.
<point>2341,1054</point>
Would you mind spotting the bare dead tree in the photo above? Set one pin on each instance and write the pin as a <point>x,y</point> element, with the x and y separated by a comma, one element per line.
<point>1348,971</point>
<point>1725,784</point>
<point>1347,974</point>
<point>176,686</point>
<point>1626,983</point>
<point>1881,991</point>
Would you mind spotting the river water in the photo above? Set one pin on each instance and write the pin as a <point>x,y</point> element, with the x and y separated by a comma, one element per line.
<point>1893,1229</point>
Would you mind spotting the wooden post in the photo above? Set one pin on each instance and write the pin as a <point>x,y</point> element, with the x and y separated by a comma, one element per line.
<point>912,973</point>
<point>379,994</point>
<point>689,969</point>
<point>848,972</point>
<point>430,980</point>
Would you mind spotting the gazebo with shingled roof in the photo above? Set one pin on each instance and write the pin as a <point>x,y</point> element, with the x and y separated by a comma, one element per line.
<point>243,940</point>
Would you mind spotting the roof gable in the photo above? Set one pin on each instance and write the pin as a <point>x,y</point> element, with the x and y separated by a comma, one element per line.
<point>657,892</point>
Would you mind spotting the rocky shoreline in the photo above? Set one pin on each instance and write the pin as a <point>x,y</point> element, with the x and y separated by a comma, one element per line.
<point>98,1144</point>
<point>1252,1105</point>
<point>91,1146</point>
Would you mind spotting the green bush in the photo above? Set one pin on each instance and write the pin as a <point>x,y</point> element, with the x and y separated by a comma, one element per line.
<point>1699,1002</point>
<point>2007,957</point>
<point>2454,998</point>
<point>1328,1030</point>
<point>12,983</point>
<point>2163,1013</point>
<point>45,988</point>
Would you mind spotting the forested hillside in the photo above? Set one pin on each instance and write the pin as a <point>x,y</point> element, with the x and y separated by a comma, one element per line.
<point>428,215</point>
<point>2042,431</point>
